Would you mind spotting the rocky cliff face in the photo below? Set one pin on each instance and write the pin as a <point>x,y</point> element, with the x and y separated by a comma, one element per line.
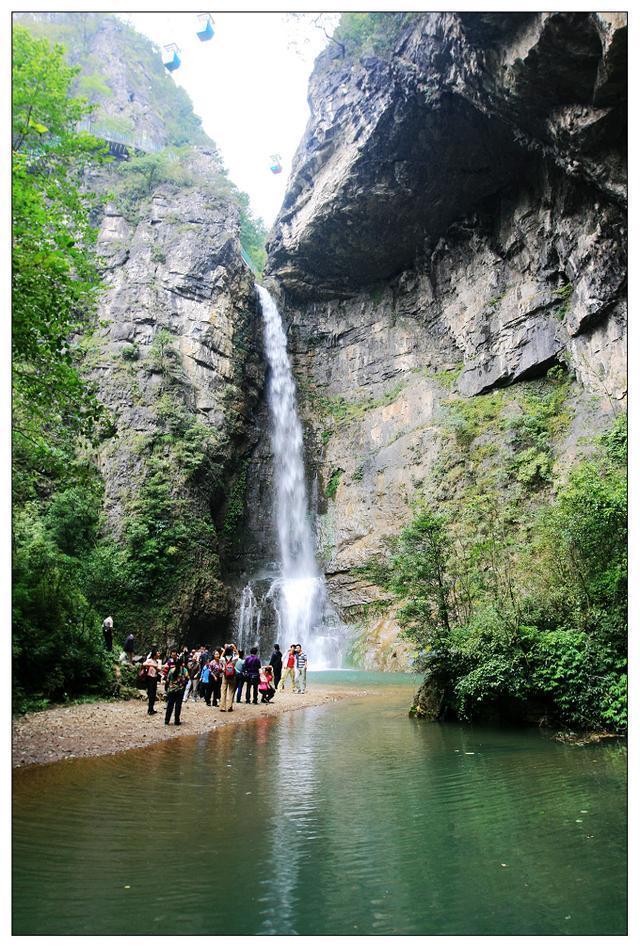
<point>453,229</point>
<point>175,351</point>
<point>176,357</point>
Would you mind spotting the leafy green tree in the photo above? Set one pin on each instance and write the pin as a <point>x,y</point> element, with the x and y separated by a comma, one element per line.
<point>512,608</point>
<point>253,234</point>
<point>420,574</point>
<point>54,273</point>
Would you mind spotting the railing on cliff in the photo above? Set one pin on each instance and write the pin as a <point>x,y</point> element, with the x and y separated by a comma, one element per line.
<point>121,144</point>
<point>249,262</point>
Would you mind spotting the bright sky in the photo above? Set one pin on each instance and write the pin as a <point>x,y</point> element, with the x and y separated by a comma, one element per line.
<point>249,86</point>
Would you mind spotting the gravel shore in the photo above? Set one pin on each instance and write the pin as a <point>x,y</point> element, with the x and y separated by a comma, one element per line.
<point>108,727</point>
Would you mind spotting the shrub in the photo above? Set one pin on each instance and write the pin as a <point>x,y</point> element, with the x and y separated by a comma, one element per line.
<point>333,483</point>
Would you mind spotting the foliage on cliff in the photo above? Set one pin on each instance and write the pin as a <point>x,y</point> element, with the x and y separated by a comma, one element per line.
<point>368,34</point>
<point>54,276</point>
<point>54,290</point>
<point>69,571</point>
<point>137,179</point>
<point>514,609</point>
<point>145,73</point>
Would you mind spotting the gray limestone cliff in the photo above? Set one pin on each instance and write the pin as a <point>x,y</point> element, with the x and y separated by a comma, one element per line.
<point>454,228</point>
<point>175,350</point>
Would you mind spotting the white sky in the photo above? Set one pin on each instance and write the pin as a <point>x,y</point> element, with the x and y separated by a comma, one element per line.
<point>249,86</point>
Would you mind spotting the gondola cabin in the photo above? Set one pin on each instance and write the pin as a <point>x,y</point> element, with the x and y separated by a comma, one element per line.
<point>276,164</point>
<point>206,27</point>
<point>170,58</point>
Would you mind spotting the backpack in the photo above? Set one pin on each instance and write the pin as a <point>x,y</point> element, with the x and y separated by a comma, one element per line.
<point>229,669</point>
<point>142,674</point>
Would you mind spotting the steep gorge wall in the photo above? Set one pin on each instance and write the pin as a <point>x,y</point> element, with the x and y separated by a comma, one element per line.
<point>177,359</point>
<point>175,350</point>
<point>454,228</point>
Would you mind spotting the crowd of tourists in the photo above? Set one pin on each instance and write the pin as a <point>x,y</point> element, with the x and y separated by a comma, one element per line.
<point>220,677</point>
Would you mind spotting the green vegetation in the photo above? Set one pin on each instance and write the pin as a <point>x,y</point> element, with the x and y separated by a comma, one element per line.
<point>146,77</point>
<point>368,34</point>
<point>70,568</point>
<point>343,411</point>
<point>253,234</point>
<point>333,483</point>
<point>448,377</point>
<point>518,610</point>
<point>54,279</point>
<point>235,505</point>
<point>563,294</point>
<point>358,474</point>
<point>542,415</point>
<point>57,648</point>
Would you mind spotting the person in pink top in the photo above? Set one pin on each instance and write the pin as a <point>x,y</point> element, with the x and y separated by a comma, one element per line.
<point>265,687</point>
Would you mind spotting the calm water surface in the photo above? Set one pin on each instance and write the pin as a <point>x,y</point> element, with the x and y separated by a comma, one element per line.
<point>345,819</point>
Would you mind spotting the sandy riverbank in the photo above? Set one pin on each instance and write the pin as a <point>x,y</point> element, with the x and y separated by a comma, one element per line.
<point>108,727</point>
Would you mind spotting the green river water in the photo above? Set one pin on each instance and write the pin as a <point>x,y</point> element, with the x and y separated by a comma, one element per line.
<point>350,818</point>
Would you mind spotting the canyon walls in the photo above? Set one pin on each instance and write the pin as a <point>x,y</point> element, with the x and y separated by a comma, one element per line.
<point>452,245</point>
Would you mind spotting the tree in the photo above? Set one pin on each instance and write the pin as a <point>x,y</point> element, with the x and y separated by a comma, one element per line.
<point>420,573</point>
<point>55,279</point>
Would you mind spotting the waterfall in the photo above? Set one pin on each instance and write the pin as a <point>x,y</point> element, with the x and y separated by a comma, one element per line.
<point>248,632</point>
<point>298,594</point>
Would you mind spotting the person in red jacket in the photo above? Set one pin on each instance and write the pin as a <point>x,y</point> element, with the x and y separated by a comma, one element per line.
<point>289,670</point>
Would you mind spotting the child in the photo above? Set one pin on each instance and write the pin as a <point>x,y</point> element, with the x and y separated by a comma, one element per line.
<point>266,684</point>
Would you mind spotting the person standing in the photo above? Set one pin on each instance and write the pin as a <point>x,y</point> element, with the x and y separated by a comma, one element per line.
<point>206,683</point>
<point>154,667</point>
<point>301,671</point>
<point>240,679</point>
<point>193,667</point>
<point>129,647</point>
<point>289,668</point>
<point>252,675</point>
<point>276,664</point>
<point>216,677</point>
<point>107,631</point>
<point>176,680</point>
<point>228,678</point>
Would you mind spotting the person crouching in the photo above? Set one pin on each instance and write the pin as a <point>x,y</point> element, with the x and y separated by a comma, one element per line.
<point>265,687</point>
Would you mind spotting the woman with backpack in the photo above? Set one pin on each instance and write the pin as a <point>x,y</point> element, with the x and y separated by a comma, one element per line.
<point>229,683</point>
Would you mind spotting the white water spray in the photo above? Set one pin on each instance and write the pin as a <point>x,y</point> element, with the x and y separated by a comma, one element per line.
<point>299,593</point>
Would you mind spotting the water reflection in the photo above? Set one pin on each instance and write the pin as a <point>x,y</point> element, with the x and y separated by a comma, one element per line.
<point>346,819</point>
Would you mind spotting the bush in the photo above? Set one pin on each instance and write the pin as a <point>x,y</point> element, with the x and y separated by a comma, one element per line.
<point>58,648</point>
<point>512,609</point>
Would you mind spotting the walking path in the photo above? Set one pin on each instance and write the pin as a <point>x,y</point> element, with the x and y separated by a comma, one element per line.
<point>108,727</point>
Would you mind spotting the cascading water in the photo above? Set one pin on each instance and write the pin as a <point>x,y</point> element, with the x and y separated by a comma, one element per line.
<point>298,594</point>
<point>248,632</point>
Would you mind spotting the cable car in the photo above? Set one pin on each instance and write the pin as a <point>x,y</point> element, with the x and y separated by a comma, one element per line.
<point>206,27</point>
<point>170,57</point>
<point>276,164</point>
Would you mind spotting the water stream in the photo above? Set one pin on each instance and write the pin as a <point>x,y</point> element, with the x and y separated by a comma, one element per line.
<point>348,818</point>
<point>297,595</point>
